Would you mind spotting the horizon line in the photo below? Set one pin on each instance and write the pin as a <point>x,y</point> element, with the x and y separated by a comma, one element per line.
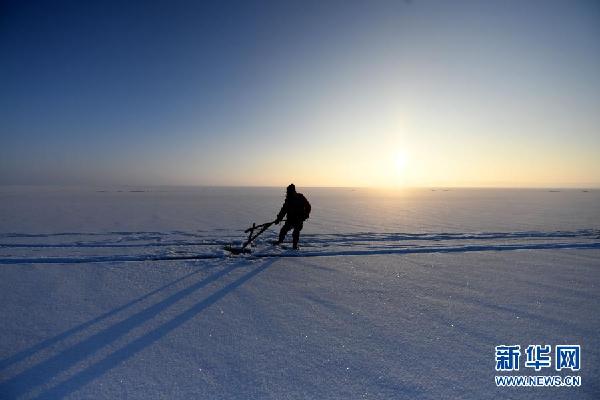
<point>394,188</point>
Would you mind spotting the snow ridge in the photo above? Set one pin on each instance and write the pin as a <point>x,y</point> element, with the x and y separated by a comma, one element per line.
<point>176,245</point>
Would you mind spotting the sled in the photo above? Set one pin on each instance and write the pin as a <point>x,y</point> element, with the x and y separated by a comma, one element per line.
<point>252,235</point>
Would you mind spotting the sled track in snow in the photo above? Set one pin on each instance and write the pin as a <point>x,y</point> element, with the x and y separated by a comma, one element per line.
<point>155,239</point>
<point>289,254</point>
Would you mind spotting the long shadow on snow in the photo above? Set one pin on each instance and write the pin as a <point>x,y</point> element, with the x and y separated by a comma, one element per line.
<point>64,335</point>
<point>44,371</point>
<point>99,368</point>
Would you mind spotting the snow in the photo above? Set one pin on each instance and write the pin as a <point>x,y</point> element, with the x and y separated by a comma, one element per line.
<point>129,294</point>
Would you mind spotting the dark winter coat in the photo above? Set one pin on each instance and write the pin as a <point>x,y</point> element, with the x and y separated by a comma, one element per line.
<point>296,207</point>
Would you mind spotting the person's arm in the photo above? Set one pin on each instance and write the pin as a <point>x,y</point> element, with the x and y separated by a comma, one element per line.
<point>282,212</point>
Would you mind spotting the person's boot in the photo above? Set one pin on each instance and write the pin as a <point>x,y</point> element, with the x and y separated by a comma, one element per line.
<point>295,246</point>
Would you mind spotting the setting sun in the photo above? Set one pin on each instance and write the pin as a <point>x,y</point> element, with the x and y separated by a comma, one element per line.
<point>400,162</point>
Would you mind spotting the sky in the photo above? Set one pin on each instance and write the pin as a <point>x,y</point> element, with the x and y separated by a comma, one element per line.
<point>319,93</point>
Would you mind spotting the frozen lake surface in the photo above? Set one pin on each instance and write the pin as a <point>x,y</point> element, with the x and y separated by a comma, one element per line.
<point>127,292</point>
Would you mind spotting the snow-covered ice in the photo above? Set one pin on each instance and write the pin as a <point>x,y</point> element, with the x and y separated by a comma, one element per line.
<point>127,293</point>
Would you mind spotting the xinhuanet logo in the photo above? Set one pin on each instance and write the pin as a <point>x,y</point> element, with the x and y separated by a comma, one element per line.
<point>538,357</point>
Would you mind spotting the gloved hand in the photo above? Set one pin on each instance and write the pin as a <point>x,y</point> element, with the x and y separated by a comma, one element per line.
<point>277,221</point>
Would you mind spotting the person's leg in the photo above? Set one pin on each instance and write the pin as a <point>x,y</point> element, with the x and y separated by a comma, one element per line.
<point>296,234</point>
<point>284,230</point>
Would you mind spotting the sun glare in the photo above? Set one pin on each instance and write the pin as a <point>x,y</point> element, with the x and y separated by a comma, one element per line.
<point>400,161</point>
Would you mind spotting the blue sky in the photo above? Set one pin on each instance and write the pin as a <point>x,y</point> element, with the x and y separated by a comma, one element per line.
<point>399,93</point>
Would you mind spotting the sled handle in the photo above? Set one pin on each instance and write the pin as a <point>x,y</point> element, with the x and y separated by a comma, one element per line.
<point>254,226</point>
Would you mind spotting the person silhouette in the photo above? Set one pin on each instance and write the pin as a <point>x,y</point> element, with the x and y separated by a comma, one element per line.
<point>297,209</point>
